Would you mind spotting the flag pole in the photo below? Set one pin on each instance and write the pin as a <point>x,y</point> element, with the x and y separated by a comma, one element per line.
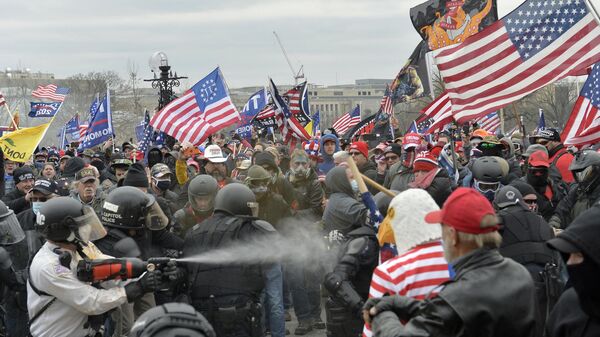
<point>12,118</point>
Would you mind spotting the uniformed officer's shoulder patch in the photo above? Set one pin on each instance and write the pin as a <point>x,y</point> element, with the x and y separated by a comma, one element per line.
<point>60,269</point>
<point>263,225</point>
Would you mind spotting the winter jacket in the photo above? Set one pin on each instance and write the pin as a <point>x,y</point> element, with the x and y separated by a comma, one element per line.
<point>546,206</point>
<point>309,195</point>
<point>489,296</point>
<point>273,209</point>
<point>370,171</point>
<point>576,202</point>
<point>327,163</point>
<point>438,184</point>
<point>561,159</point>
<point>399,177</point>
<point>343,212</point>
<point>15,200</point>
<point>569,320</point>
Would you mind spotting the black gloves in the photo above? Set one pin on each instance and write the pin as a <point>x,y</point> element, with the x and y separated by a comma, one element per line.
<point>172,273</point>
<point>150,282</point>
<point>404,307</point>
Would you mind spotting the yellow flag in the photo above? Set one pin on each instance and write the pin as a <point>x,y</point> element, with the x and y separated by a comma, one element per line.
<point>19,145</point>
<point>309,128</point>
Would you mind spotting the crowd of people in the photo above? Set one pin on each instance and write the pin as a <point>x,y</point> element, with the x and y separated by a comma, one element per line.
<point>457,235</point>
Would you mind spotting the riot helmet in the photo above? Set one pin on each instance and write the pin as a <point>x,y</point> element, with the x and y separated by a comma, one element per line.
<point>236,199</point>
<point>201,193</point>
<point>127,207</point>
<point>172,319</point>
<point>258,180</point>
<point>488,171</point>
<point>586,168</point>
<point>66,220</point>
<point>10,229</point>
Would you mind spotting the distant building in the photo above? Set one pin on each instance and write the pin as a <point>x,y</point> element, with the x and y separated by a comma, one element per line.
<point>25,74</point>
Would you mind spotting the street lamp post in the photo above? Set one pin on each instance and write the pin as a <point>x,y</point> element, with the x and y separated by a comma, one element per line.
<point>164,82</point>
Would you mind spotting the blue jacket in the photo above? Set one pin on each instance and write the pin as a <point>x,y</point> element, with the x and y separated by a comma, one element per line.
<point>327,163</point>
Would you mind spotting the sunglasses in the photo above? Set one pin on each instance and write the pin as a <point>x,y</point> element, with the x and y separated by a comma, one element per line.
<point>542,142</point>
<point>40,199</point>
<point>391,157</point>
<point>530,201</point>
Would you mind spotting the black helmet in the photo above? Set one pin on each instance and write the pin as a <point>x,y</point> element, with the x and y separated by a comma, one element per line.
<point>129,208</point>
<point>172,319</point>
<point>586,168</point>
<point>202,190</point>
<point>235,199</point>
<point>65,219</point>
<point>508,196</point>
<point>10,229</point>
<point>490,169</point>
<point>382,201</point>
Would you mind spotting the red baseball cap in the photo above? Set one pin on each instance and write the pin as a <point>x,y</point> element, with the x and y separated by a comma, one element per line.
<point>425,161</point>
<point>361,147</point>
<point>464,211</point>
<point>539,158</point>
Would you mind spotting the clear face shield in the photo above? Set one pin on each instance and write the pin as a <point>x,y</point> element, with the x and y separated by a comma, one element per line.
<point>202,203</point>
<point>90,227</point>
<point>10,230</point>
<point>155,218</point>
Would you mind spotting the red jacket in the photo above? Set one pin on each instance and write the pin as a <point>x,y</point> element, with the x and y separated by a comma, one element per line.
<point>563,163</point>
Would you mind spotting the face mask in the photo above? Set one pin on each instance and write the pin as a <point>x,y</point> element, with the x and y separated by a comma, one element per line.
<point>354,185</point>
<point>163,185</point>
<point>537,180</point>
<point>584,277</point>
<point>35,207</point>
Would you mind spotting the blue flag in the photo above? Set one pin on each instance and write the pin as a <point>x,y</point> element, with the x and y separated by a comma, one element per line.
<point>72,127</point>
<point>542,122</point>
<point>93,109</point>
<point>100,128</point>
<point>255,104</point>
<point>63,138</point>
<point>41,109</point>
<point>316,120</point>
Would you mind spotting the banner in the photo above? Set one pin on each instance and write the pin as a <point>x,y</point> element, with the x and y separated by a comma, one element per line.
<point>20,145</point>
<point>412,81</point>
<point>443,23</point>
<point>255,104</point>
<point>100,128</point>
<point>41,109</point>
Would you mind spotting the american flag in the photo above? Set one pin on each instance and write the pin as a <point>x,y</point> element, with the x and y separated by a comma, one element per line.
<point>148,132</point>
<point>540,42</point>
<point>290,128</point>
<point>364,127</point>
<point>489,123</point>
<point>347,121</point>
<point>440,112</point>
<point>386,104</point>
<point>51,92</point>
<point>421,125</point>
<point>201,111</point>
<point>82,130</point>
<point>297,100</point>
<point>2,99</point>
<point>583,126</point>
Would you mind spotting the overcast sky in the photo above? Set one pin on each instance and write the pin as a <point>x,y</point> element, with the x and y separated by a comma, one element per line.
<point>337,41</point>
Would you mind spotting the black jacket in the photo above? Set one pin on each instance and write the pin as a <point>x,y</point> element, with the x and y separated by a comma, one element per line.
<point>568,320</point>
<point>370,171</point>
<point>309,195</point>
<point>576,202</point>
<point>15,200</point>
<point>489,296</point>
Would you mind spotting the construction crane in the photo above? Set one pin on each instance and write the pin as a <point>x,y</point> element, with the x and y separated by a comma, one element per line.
<point>297,75</point>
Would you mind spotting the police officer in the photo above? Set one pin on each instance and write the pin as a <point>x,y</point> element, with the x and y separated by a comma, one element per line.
<point>128,212</point>
<point>228,294</point>
<point>201,201</point>
<point>586,171</point>
<point>348,283</point>
<point>171,320</point>
<point>58,303</point>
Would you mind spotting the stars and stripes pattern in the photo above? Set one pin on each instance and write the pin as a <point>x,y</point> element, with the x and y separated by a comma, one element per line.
<point>82,130</point>
<point>541,122</point>
<point>201,111</point>
<point>440,112</point>
<point>583,126</point>
<point>540,42</point>
<point>51,92</point>
<point>148,133</point>
<point>291,129</point>
<point>489,122</point>
<point>347,121</point>
<point>2,99</point>
<point>386,104</point>
<point>420,125</point>
<point>297,99</point>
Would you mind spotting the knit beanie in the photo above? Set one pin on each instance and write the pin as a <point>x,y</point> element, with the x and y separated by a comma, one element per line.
<point>425,161</point>
<point>22,174</point>
<point>361,147</point>
<point>136,176</point>
<point>265,158</point>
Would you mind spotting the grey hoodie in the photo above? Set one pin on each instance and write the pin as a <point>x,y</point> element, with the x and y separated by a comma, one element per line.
<point>343,211</point>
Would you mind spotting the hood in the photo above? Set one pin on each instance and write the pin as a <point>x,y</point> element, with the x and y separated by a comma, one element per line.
<point>511,147</point>
<point>73,166</point>
<point>326,138</point>
<point>337,181</point>
<point>154,156</point>
<point>265,158</point>
<point>407,216</point>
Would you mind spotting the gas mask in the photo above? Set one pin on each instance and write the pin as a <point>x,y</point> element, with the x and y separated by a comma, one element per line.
<point>299,169</point>
<point>162,184</point>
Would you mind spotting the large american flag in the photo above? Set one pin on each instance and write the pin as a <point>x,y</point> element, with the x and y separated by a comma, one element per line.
<point>489,122</point>
<point>347,121</point>
<point>583,126</point>
<point>201,111</point>
<point>537,44</point>
<point>51,92</point>
<point>386,104</point>
<point>440,112</point>
<point>297,99</point>
<point>291,129</point>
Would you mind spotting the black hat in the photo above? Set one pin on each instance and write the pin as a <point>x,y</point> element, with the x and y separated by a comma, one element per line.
<point>265,158</point>
<point>582,235</point>
<point>136,176</point>
<point>394,148</point>
<point>45,186</point>
<point>549,134</point>
<point>73,166</point>
<point>23,173</point>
